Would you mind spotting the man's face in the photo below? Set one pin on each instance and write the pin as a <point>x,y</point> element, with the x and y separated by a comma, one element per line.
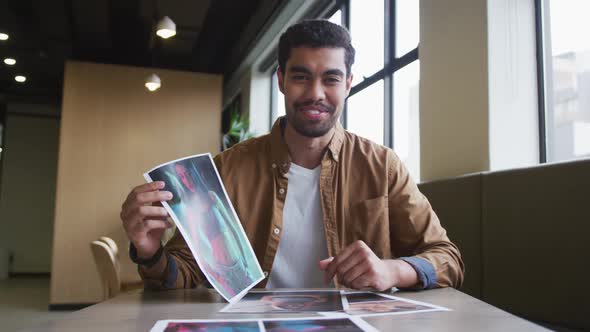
<point>315,86</point>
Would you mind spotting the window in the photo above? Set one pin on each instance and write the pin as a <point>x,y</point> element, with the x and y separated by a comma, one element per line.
<point>336,17</point>
<point>564,72</point>
<point>365,111</point>
<point>406,117</point>
<point>406,114</point>
<point>383,105</point>
<point>277,98</point>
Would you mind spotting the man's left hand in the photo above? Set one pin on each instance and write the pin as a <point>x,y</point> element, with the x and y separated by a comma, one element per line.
<point>358,267</point>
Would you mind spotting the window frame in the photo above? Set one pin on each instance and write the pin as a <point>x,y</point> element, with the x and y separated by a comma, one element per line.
<point>391,65</point>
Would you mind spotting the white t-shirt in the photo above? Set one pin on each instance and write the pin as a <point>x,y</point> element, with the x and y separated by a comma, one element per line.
<point>303,240</point>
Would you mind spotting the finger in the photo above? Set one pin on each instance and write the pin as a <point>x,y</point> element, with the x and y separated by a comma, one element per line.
<point>146,212</point>
<point>361,282</point>
<point>325,262</point>
<point>153,197</point>
<point>152,186</point>
<point>152,224</point>
<point>138,226</point>
<point>150,197</point>
<point>341,257</point>
<point>354,273</point>
<point>356,258</point>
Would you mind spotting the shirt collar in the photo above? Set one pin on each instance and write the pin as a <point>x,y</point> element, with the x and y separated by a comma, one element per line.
<point>280,151</point>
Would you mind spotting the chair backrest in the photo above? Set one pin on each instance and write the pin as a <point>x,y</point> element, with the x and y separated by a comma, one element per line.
<point>107,268</point>
<point>112,244</point>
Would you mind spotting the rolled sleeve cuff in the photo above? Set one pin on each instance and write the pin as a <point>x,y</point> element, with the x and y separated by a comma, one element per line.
<point>425,271</point>
<point>169,278</point>
<point>172,273</point>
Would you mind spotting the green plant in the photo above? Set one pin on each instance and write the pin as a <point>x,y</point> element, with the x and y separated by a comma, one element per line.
<point>238,130</point>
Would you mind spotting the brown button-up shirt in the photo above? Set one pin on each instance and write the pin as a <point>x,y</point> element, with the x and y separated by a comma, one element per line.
<point>366,194</point>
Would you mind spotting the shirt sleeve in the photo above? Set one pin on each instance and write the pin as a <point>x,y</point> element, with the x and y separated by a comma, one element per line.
<point>424,270</point>
<point>417,235</point>
<point>182,270</point>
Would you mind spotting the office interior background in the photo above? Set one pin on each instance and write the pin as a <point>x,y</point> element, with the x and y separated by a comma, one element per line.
<point>462,90</point>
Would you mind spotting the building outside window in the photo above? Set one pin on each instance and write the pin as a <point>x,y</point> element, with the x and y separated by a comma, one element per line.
<point>564,60</point>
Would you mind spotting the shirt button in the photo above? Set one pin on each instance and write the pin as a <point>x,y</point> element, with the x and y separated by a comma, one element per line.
<point>281,191</point>
<point>274,165</point>
<point>265,274</point>
<point>276,231</point>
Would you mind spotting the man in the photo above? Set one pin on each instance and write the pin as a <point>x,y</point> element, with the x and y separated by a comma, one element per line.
<point>319,204</point>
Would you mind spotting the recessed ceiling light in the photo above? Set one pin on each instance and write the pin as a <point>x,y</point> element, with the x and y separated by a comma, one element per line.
<point>153,82</point>
<point>3,36</point>
<point>166,28</point>
<point>20,78</point>
<point>10,61</point>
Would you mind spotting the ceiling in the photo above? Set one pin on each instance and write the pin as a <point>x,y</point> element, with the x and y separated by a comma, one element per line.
<point>45,33</point>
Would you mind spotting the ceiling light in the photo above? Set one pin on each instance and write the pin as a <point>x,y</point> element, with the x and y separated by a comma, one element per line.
<point>3,36</point>
<point>153,82</point>
<point>20,78</point>
<point>166,28</point>
<point>10,61</point>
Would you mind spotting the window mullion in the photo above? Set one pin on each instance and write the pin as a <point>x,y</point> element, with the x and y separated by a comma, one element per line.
<point>346,23</point>
<point>540,80</point>
<point>389,57</point>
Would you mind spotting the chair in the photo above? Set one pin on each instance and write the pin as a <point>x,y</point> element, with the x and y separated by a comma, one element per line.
<point>106,265</point>
<point>112,244</point>
<point>125,285</point>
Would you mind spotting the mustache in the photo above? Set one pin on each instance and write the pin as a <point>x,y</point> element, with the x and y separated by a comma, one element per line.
<point>323,107</point>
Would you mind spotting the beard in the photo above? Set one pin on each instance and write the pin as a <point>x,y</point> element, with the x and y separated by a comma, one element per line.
<point>312,128</point>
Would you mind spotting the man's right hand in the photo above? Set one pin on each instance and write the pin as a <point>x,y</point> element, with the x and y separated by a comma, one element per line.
<point>144,218</point>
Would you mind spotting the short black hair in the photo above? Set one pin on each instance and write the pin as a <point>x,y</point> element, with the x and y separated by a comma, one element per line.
<point>315,34</point>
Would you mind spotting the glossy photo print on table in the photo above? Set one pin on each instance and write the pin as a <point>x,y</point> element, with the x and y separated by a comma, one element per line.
<point>287,301</point>
<point>340,323</point>
<point>335,324</point>
<point>209,224</point>
<point>377,304</point>
<point>216,326</point>
<point>354,297</point>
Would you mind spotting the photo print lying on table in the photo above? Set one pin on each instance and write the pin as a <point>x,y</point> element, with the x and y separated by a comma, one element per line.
<point>307,324</point>
<point>377,304</point>
<point>216,326</point>
<point>288,301</point>
<point>355,297</point>
<point>209,224</point>
<point>342,324</point>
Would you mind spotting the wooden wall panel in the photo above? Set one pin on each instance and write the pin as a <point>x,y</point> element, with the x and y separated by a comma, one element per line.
<point>112,131</point>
